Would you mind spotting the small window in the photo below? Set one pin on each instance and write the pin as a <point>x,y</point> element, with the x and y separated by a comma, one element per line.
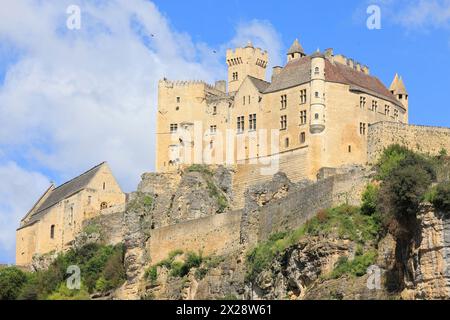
<point>316,116</point>
<point>213,129</point>
<point>104,185</point>
<point>283,122</point>
<point>302,137</point>
<point>349,149</point>
<point>303,117</point>
<point>362,102</point>
<point>240,124</point>
<point>283,101</point>
<point>173,128</point>
<point>286,143</point>
<point>252,122</point>
<point>103,206</point>
<point>177,108</point>
<point>178,99</point>
<point>303,96</point>
<point>214,110</point>
<point>243,100</point>
<point>316,70</point>
<point>317,95</point>
<point>52,232</point>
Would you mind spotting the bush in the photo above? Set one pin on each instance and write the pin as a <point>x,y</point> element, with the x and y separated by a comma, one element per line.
<point>441,198</point>
<point>64,293</point>
<point>357,267</point>
<point>402,192</point>
<point>390,160</point>
<point>11,282</point>
<point>345,221</point>
<point>369,200</point>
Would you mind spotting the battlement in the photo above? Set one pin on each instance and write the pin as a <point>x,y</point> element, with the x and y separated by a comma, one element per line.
<point>341,59</point>
<point>187,83</point>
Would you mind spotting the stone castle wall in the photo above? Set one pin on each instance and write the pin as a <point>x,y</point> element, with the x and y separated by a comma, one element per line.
<point>423,139</point>
<point>218,234</point>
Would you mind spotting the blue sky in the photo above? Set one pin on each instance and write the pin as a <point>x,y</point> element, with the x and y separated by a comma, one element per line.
<point>70,99</point>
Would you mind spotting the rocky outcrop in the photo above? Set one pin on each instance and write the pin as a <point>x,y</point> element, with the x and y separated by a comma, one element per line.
<point>429,259</point>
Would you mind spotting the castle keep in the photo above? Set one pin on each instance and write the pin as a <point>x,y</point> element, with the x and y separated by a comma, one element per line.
<point>314,113</point>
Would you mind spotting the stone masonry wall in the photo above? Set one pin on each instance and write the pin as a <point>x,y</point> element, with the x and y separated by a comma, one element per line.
<point>429,140</point>
<point>217,234</point>
<point>301,204</point>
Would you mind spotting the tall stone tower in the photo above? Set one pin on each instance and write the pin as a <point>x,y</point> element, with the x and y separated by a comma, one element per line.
<point>317,124</point>
<point>243,62</point>
<point>398,89</point>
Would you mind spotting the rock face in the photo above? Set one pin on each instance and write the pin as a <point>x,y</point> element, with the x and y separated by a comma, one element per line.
<point>298,268</point>
<point>430,258</point>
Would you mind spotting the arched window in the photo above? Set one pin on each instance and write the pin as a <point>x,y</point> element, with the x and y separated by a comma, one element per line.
<point>316,71</point>
<point>52,232</point>
<point>103,205</point>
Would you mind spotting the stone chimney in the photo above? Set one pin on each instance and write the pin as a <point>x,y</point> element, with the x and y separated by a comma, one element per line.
<point>276,71</point>
<point>221,85</point>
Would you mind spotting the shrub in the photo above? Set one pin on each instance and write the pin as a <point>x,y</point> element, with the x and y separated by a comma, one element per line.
<point>356,267</point>
<point>11,282</point>
<point>369,200</point>
<point>345,221</point>
<point>64,293</point>
<point>441,198</point>
<point>152,274</point>
<point>200,168</point>
<point>402,193</point>
<point>390,160</point>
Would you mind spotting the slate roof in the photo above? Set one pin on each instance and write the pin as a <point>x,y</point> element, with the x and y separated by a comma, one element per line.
<point>62,192</point>
<point>296,48</point>
<point>295,73</point>
<point>261,85</point>
<point>298,72</point>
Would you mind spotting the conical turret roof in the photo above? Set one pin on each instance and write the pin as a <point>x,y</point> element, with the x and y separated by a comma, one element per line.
<point>398,86</point>
<point>296,48</point>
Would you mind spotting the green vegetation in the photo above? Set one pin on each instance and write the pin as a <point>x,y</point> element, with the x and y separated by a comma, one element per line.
<point>406,177</point>
<point>11,282</point>
<point>440,197</point>
<point>148,201</point>
<point>101,269</point>
<point>181,267</point>
<point>91,229</point>
<point>346,222</point>
<point>356,267</point>
<point>369,200</point>
<point>200,168</point>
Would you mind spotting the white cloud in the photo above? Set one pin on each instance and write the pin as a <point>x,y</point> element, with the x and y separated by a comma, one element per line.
<point>416,14</point>
<point>76,98</point>
<point>19,189</point>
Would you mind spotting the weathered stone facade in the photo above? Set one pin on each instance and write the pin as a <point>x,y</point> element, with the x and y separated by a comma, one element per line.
<point>423,139</point>
<point>314,113</point>
<point>55,221</point>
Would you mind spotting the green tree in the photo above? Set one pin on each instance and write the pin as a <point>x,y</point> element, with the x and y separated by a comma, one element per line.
<point>11,282</point>
<point>441,197</point>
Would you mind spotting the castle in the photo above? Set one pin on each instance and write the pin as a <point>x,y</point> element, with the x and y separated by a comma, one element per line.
<point>315,113</point>
<point>319,112</point>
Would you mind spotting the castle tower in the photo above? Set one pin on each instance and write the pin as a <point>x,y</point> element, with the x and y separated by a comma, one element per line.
<point>243,62</point>
<point>398,89</point>
<point>296,51</point>
<point>317,92</point>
